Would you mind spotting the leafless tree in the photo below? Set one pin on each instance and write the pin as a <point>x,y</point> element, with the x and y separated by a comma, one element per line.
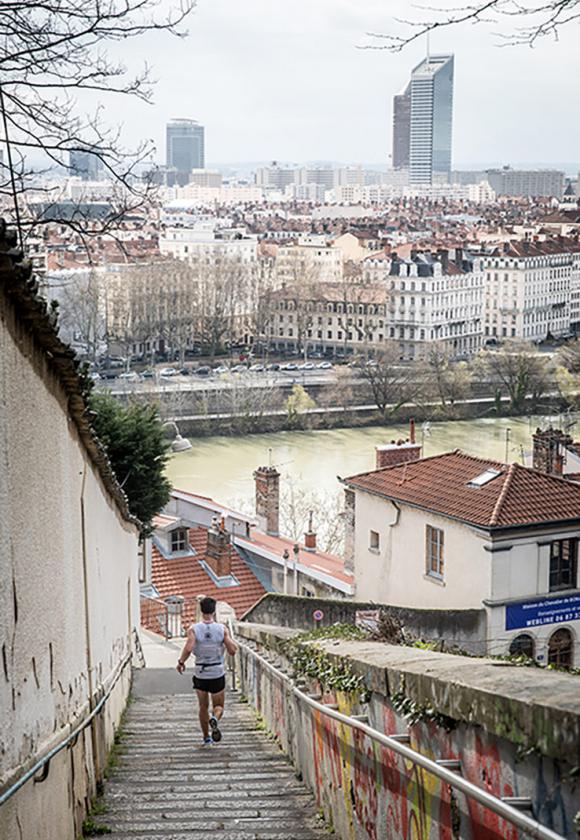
<point>530,21</point>
<point>392,384</point>
<point>177,292</point>
<point>49,54</point>
<point>519,371</point>
<point>260,285</point>
<point>82,313</point>
<point>296,506</point>
<point>221,308</point>
<point>450,381</point>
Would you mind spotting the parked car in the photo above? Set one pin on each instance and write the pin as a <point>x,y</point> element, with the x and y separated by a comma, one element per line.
<point>94,376</point>
<point>239,369</point>
<point>148,374</point>
<point>109,374</point>
<point>289,366</point>
<point>324,366</point>
<point>185,371</point>
<point>221,369</point>
<point>129,376</point>
<point>167,371</point>
<point>203,370</point>
<point>273,366</point>
<point>257,368</point>
<point>306,366</point>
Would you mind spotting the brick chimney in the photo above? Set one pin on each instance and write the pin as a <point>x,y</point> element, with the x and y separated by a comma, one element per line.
<point>218,552</point>
<point>547,453</point>
<point>268,499</point>
<point>396,452</point>
<point>310,536</point>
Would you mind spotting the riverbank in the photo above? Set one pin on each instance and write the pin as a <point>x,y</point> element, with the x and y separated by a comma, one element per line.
<point>344,417</point>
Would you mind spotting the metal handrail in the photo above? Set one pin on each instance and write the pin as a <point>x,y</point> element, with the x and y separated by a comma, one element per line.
<point>71,737</point>
<point>498,806</point>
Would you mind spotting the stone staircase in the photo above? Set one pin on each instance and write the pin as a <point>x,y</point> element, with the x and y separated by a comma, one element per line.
<point>166,786</point>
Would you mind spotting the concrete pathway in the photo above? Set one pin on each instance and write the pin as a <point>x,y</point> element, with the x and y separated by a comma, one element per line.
<point>166,786</point>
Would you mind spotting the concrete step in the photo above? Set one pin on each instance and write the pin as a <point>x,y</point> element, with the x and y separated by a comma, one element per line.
<point>166,786</point>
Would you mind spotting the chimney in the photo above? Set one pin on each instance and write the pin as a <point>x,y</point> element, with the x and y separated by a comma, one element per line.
<point>310,536</point>
<point>459,258</point>
<point>268,499</point>
<point>218,552</point>
<point>443,255</point>
<point>412,430</point>
<point>547,452</point>
<point>395,453</point>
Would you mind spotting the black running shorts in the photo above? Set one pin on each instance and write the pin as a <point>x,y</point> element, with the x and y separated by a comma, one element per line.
<point>211,686</point>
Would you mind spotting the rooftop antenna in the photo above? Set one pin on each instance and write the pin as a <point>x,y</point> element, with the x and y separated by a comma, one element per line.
<point>428,47</point>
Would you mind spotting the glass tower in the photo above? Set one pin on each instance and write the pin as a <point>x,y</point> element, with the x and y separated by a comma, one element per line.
<point>401,128</point>
<point>431,120</point>
<point>185,145</point>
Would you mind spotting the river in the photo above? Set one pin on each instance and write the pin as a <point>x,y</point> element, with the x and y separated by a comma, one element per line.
<point>222,467</point>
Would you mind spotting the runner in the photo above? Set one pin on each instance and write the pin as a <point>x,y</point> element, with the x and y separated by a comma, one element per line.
<point>207,640</point>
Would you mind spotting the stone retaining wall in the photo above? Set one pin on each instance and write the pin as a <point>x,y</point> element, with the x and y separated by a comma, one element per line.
<point>466,628</point>
<point>515,730</point>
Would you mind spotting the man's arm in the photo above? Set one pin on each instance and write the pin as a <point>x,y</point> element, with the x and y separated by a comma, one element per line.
<point>186,652</point>
<point>229,643</point>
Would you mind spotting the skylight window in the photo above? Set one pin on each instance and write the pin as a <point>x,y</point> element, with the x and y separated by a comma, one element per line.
<point>483,479</point>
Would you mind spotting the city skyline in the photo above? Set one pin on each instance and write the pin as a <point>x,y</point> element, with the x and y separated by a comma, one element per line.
<point>259,110</point>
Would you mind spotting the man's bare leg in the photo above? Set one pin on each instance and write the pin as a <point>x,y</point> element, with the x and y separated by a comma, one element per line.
<point>203,699</point>
<point>218,702</point>
<point>217,710</point>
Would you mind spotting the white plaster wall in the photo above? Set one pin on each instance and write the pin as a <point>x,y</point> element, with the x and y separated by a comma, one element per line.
<point>396,574</point>
<point>44,666</point>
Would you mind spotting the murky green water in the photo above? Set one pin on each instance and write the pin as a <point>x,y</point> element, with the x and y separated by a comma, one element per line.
<point>222,467</point>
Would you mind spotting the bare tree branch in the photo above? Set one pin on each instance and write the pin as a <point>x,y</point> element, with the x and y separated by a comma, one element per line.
<point>534,20</point>
<point>51,51</point>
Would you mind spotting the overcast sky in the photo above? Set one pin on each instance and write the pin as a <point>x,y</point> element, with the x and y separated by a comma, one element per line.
<point>283,79</point>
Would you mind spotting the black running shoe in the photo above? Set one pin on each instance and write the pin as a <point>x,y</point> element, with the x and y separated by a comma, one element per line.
<point>215,730</point>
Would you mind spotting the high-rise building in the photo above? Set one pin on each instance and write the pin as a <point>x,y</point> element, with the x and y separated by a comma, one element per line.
<point>526,182</point>
<point>185,147</point>
<point>85,165</point>
<point>401,128</point>
<point>431,116</point>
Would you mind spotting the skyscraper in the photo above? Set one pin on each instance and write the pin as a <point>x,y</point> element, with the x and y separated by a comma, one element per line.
<point>185,146</point>
<point>401,128</point>
<point>423,113</point>
<point>85,165</point>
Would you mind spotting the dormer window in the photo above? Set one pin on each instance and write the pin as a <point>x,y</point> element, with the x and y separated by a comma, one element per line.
<point>179,540</point>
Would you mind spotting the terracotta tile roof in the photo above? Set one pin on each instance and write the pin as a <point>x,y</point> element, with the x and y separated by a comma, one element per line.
<point>317,561</point>
<point>185,576</point>
<point>517,496</point>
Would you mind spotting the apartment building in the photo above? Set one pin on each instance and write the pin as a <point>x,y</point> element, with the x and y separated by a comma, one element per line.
<point>431,297</point>
<point>311,260</point>
<point>330,318</point>
<point>205,239</point>
<point>532,289</point>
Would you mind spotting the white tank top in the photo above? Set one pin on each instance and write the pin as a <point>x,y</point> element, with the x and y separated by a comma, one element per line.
<point>209,650</point>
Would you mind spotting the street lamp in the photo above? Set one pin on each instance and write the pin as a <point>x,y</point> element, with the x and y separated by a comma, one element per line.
<point>178,444</point>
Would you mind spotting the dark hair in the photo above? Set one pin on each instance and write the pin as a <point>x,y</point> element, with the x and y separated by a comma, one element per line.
<point>207,606</point>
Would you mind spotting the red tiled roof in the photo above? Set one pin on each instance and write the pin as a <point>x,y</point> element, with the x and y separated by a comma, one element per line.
<point>185,576</point>
<point>318,561</point>
<point>517,496</point>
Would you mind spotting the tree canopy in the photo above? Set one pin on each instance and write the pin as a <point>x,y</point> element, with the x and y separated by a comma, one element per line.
<point>138,451</point>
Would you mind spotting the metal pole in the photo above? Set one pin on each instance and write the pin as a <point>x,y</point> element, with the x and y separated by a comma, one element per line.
<point>285,557</point>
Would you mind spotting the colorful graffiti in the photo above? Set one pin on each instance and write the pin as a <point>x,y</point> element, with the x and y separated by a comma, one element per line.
<point>368,792</point>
